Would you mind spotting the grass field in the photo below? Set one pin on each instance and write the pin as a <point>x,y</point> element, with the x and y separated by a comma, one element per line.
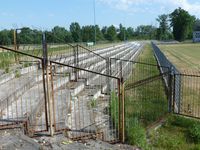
<point>177,133</point>
<point>184,56</point>
<point>146,103</point>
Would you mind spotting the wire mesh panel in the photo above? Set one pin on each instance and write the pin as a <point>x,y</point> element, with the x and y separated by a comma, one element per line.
<point>145,103</point>
<point>21,89</point>
<point>88,58</point>
<point>84,108</point>
<point>189,93</point>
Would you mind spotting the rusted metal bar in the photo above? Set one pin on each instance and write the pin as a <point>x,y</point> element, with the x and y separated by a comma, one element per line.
<point>145,81</point>
<point>137,62</point>
<point>19,52</point>
<point>75,49</point>
<point>48,95</point>
<point>170,90</point>
<point>105,75</point>
<point>123,112</point>
<point>15,43</point>
<point>120,68</point>
<point>119,110</point>
<point>52,93</point>
<point>45,95</point>
<point>108,73</point>
<point>92,52</point>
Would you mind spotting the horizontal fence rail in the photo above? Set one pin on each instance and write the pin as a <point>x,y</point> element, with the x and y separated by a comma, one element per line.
<point>69,88</point>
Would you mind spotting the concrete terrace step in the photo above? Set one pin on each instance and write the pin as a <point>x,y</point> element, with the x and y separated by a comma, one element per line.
<point>72,98</point>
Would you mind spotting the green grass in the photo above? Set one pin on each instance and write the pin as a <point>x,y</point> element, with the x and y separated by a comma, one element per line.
<point>145,103</point>
<point>184,56</point>
<point>176,134</point>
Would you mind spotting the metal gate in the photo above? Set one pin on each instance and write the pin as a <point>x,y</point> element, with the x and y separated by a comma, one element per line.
<point>56,92</point>
<point>23,89</point>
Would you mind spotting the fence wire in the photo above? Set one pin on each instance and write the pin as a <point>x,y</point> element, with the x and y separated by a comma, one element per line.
<point>21,89</point>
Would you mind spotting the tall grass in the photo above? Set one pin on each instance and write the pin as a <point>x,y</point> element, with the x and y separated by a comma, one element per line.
<point>145,103</point>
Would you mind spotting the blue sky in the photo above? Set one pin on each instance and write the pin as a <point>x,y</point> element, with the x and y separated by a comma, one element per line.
<point>44,14</point>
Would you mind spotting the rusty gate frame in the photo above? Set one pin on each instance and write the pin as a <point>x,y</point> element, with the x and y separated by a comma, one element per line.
<point>47,70</point>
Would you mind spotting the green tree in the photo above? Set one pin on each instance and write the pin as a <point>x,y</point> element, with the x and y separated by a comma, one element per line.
<point>58,34</point>
<point>6,37</point>
<point>130,33</point>
<point>99,34</point>
<point>75,30</point>
<point>25,36</point>
<point>163,30</point>
<point>87,33</point>
<point>182,23</point>
<point>122,33</point>
<point>111,34</point>
<point>197,25</point>
<point>145,32</point>
<point>104,31</point>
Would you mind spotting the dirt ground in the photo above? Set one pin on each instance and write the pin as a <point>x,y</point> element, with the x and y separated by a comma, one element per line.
<point>15,140</point>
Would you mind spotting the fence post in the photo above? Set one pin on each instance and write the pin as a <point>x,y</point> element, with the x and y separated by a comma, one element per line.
<point>108,73</point>
<point>121,110</point>
<point>170,91</point>
<point>15,44</point>
<point>47,93</point>
<point>75,51</point>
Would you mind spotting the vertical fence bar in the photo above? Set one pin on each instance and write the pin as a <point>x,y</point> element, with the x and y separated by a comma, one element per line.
<point>48,95</point>
<point>119,110</point>
<point>170,92</point>
<point>75,53</point>
<point>52,94</point>
<point>108,73</point>
<point>44,67</point>
<point>123,112</point>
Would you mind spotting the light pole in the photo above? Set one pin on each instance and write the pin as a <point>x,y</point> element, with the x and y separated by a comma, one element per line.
<point>94,6</point>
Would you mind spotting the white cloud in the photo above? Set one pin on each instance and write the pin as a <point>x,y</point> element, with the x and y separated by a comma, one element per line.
<point>153,6</point>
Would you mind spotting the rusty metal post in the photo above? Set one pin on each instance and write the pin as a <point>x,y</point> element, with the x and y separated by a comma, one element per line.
<point>170,92</point>
<point>15,43</point>
<point>77,60</point>
<point>121,107</point>
<point>107,78</point>
<point>48,95</point>
<point>44,67</point>
<point>45,95</point>
<point>121,73</point>
<point>75,51</point>
<point>122,112</point>
<point>119,110</point>
<point>52,94</point>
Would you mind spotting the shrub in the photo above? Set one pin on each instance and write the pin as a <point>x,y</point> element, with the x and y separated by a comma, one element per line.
<point>137,135</point>
<point>17,74</point>
<point>93,103</point>
<point>194,132</point>
<point>7,70</point>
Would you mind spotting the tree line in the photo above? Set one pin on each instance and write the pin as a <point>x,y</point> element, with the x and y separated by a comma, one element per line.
<point>178,25</point>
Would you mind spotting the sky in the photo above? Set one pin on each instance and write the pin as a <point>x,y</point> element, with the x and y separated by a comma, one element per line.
<point>45,14</point>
